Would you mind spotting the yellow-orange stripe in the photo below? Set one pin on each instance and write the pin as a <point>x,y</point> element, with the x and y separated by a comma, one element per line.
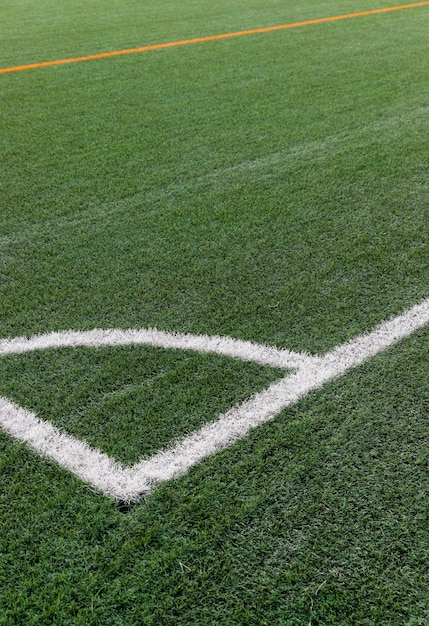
<point>184,42</point>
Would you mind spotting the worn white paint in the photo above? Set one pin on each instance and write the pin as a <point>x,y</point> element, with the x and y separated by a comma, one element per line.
<point>131,483</point>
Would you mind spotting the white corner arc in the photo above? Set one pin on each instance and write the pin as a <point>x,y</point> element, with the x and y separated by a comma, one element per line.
<point>131,483</point>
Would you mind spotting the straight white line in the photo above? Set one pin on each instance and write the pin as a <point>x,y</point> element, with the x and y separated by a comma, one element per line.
<point>264,406</point>
<point>75,455</point>
<point>130,483</point>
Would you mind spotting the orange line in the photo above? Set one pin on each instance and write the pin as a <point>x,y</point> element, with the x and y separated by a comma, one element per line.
<point>173,44</point>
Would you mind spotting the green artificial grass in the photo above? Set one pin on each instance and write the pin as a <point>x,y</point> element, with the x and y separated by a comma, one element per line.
<point>271,188</point>
<point>130,402</point>
<point>193,166</point>
<point>34,32</point>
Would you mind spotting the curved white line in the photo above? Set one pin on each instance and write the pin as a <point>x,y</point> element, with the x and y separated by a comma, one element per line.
<point>226,346</point>
<point>130,483</point>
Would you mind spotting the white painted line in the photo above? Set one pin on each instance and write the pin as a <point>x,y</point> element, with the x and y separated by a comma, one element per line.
<point>264,406</point>
<point>131,483</point>
<point>226,346</point>
<point>91,466</point>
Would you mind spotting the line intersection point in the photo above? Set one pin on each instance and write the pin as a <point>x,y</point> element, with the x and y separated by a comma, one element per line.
<point>132,483</point>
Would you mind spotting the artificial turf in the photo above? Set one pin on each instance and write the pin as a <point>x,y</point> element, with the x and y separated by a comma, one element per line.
<point>273,188</point>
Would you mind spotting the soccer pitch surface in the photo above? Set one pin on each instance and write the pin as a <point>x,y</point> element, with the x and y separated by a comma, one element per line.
<point>214,229</point>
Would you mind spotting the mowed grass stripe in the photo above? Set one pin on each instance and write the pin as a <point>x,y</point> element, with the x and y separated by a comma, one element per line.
<point>165,191</point>
<point>184,42</point>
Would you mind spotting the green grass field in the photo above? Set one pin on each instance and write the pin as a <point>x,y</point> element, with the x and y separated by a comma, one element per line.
<point>271,188</point>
